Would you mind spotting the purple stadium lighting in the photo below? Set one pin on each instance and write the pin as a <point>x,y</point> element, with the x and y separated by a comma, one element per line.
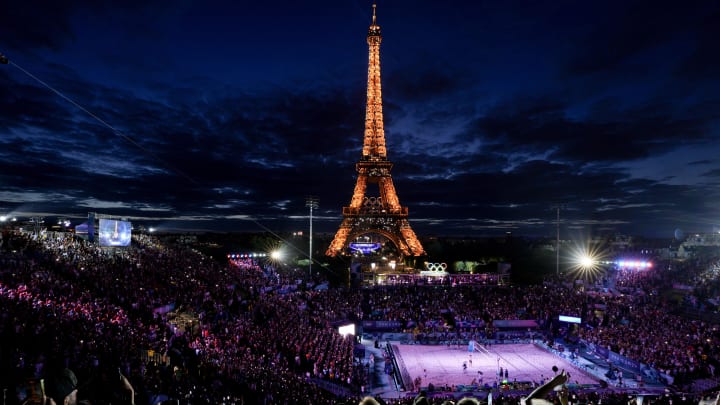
<point>364,247</point>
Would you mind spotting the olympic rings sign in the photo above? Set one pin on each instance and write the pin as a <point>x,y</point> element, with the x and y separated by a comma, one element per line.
<point>436,266</point>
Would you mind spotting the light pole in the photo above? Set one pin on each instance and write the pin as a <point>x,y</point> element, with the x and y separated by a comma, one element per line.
<point>37,223</point>
<point>557,239</point>
<point>311,202</point>
<point>557,244</point>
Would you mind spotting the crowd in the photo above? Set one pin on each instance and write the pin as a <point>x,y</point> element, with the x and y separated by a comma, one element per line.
<point>590,397</point>
<point>69,304</point>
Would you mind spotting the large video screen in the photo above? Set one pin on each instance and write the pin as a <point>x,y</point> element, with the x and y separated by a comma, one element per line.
<point>114,232</point>
<point>347,330</point>
<point>571,319</point>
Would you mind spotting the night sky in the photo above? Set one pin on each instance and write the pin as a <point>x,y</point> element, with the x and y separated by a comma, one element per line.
<point>226,115</point>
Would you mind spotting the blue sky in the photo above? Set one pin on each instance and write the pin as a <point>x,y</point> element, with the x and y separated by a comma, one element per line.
<point>225,115</point>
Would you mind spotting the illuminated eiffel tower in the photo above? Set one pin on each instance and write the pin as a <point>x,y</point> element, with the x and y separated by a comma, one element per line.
<point>381,214</point>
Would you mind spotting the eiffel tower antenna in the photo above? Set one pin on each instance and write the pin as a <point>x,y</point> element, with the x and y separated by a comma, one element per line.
<point>381,214</point>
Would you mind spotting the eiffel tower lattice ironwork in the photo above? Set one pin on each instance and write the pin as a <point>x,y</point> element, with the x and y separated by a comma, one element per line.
<point>381,214</point>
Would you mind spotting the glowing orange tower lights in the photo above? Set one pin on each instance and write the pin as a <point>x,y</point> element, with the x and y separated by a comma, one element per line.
<point>381,214</point>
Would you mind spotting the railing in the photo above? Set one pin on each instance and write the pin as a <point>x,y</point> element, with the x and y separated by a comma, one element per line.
<point>400,376</point>
<point>349,211</point>
<point>333,388</point>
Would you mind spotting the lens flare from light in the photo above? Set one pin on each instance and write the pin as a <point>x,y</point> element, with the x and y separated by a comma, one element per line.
<point>587,261</point>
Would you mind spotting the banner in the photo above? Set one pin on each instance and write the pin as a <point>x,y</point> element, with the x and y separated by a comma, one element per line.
<point>617,359</point>
<point>382,325</point>
<point>624,362</point>
<point>602,352</point>
<point>515,323</point>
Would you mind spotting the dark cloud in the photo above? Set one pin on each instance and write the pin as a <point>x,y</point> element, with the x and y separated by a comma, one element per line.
<point>494,113</point>
<point>622,30</point>
<point>704,60</point>
<point>428,82</point>
<point>35,24</point>
<point>540,125</point>
<point>52,25</point>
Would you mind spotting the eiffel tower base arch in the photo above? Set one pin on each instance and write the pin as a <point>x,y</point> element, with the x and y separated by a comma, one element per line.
<point>396,230</point>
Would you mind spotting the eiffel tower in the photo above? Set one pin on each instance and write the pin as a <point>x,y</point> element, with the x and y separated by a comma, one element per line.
<point>380,214</point>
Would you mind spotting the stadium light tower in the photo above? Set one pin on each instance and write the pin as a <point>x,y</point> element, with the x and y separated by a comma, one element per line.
<point>312,203</point>
<point>37,223</point>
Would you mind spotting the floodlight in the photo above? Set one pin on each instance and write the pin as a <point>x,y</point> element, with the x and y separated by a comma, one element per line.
<point>587,261</point>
